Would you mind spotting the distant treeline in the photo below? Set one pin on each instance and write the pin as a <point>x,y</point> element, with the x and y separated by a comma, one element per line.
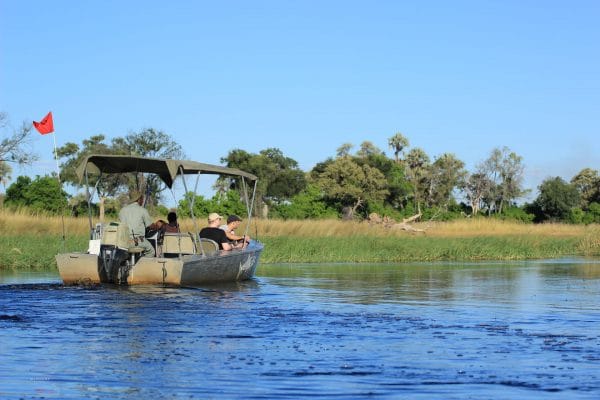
<point>349,185</point>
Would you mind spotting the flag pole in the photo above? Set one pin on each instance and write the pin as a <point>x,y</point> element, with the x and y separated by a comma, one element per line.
<point>62,214</point>
<point>45,126</point>
<point>56,159</point>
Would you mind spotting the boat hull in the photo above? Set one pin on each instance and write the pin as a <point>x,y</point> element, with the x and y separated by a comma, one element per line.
<point>186,270</point>
<point>79,268</point>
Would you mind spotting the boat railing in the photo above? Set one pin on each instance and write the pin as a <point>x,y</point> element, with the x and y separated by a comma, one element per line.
<point>116,235</point>
<point>97,231</point>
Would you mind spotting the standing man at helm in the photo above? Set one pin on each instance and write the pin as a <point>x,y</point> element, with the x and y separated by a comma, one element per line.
<point>137,219</point>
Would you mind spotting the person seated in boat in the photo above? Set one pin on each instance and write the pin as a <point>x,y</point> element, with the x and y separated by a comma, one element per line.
<point>233,222</point>
<point>154,227</point>
<point>161,226</point>
<point>173,225</point>
<point>155,233</point>
<point>137,219</point>
<point>213,232</point>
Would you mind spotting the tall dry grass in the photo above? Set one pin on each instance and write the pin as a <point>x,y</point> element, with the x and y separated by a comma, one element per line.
<point>21,222</point>
<point>452,229</point>
<point>30,241</point>
<point>494,227</point>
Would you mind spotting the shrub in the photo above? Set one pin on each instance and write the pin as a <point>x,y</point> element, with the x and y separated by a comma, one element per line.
<point>516,214</point>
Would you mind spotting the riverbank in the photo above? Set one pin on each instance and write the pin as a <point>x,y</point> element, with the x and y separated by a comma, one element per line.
<point>31,242</point>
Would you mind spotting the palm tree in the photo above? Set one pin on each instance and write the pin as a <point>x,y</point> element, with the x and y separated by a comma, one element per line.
<point>397,143</point>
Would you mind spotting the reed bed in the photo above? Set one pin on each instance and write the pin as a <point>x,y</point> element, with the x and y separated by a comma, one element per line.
<point>468,228</point>
<point>14,223</point>
<point>412,249</point>
<point>32,240</point>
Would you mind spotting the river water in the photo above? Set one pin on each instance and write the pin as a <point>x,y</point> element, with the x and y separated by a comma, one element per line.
<point>526,330</point>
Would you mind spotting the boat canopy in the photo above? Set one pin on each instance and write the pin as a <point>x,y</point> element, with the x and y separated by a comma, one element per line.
<point>167,169</point>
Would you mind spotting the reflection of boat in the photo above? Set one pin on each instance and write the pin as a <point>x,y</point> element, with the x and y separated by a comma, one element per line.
<point>182,258</point>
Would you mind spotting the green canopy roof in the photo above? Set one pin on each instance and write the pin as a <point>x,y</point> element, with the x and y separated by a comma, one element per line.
<point>167,169</point>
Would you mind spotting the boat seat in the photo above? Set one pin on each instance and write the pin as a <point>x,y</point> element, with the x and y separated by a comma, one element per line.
<point>175,244</point>
<point>208,247</point>
<point>116,234</point>
<point>135,250</point>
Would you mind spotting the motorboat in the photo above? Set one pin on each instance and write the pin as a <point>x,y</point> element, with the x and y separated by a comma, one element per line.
<point>181,259</point>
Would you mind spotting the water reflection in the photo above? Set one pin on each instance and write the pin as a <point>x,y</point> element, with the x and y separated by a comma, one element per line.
<point>414,283</point>
<point>489,330</point>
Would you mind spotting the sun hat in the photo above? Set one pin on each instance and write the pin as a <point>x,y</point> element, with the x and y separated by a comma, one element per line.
<point>213,217</point>
<point>135,195</point>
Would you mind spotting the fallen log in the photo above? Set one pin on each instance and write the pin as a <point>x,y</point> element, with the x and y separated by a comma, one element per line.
<point>388,222</point>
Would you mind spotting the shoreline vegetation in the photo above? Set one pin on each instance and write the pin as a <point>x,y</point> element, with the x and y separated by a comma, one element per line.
<point>30,242</point>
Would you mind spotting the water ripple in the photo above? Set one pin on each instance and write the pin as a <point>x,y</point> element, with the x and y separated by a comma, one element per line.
<point>390,332</point>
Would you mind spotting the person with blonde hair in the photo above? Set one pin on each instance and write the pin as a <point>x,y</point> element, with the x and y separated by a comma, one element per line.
<point>213,232</point>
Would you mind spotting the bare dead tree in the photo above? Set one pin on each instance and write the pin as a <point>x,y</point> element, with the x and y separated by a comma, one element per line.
<point>15,147</point>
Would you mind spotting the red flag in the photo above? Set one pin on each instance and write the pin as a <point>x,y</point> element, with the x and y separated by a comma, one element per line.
<point>45,125</point>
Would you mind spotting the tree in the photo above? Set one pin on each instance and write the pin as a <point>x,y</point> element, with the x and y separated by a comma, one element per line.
<point>344,150</point>
<point>505,170</point>
<point>307,204</point>
<point>43,194</point>
<point>5,171</point>
<point>587,183</point>
<point>398,187</point>
<point>148,143</point>
<point>445,174</point>
<point>15,193</point>
<point>556,200</point>
<point>202,206</point>
<point>367,149</point>
<point>13,148</point>
<point>73,156</point>
<point>224,204</point>
<point>286,177</point>
<point>593,214</point>
<point>417,162</point>
<point>476,187</point>
<point>397,143</point>
<point>350,184</point>
<point>279,177</point>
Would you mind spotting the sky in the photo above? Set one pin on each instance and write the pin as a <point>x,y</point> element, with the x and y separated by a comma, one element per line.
<point>461,77</point>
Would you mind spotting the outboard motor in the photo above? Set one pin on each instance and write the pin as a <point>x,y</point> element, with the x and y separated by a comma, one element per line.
<point>114,257</point>
<point>113,260</point>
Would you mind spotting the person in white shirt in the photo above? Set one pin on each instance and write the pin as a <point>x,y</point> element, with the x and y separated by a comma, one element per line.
<point>233,222</point>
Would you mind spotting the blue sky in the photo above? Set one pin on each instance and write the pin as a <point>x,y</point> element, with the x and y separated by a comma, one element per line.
<point>307,76</point>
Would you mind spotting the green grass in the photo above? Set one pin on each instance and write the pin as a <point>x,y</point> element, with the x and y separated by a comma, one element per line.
<point>37,251</point>
<point>413,248</point>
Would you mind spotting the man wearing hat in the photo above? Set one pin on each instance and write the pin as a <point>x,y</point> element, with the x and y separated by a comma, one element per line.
<point>213,232</point>
<point>233,222</point>
<point>137,219</point>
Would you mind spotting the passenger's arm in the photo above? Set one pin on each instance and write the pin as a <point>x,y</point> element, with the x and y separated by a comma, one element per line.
<point>236,238</point>
<point>230,235</point>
